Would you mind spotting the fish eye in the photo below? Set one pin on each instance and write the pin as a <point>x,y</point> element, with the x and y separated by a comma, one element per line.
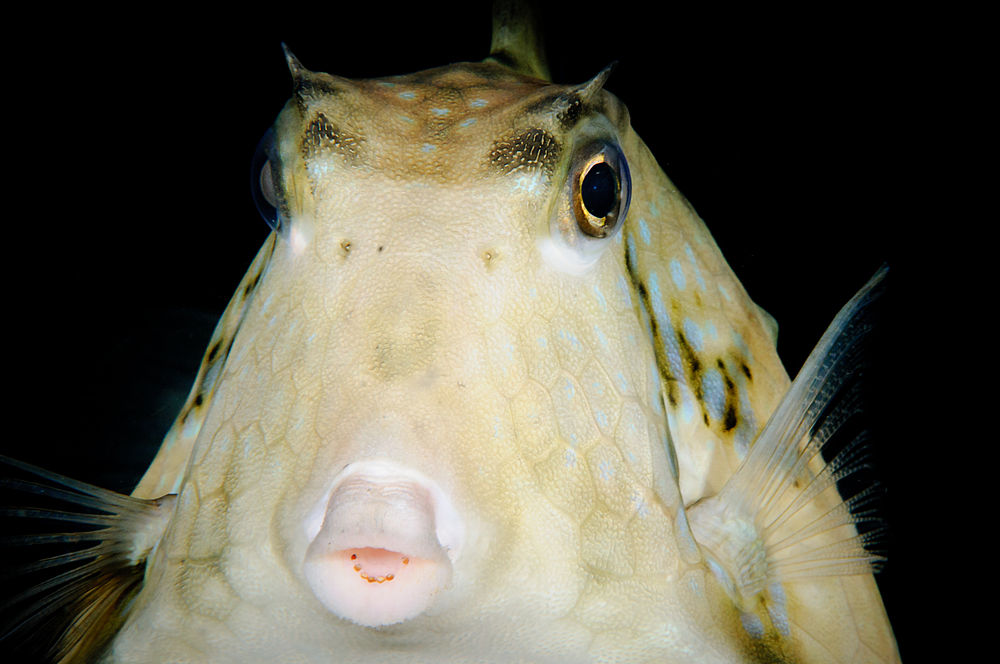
<point>265,181</point>
<point>602,193</point>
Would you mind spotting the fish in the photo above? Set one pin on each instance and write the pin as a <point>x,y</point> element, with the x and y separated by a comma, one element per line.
<point>570,342</point>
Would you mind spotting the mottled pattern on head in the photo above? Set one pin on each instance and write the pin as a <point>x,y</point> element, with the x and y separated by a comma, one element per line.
<point>549,401</point>
<point>449,124</point>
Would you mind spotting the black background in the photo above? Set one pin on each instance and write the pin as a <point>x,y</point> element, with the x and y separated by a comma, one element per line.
<point>129,220</point>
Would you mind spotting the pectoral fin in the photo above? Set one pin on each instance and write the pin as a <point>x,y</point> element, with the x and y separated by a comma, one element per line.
<point>780,517</point>
<point>78,556</point>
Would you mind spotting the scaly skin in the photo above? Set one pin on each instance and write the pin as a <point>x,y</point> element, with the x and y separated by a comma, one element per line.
<point>408,313</point>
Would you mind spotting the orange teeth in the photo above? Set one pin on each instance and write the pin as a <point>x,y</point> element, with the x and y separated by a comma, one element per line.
<point>379,561</point>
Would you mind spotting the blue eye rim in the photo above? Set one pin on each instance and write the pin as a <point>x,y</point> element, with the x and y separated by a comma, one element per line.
<point>603,160</point>
<point>265,181</point>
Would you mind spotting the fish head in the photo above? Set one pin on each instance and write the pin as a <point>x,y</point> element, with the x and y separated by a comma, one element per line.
<point>442,366</point>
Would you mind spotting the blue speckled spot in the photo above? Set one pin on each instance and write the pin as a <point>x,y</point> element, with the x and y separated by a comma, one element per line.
<point>571,338</point>
<point>602,418</point>
<point>713,394</point>
<point>387,84</point>
<point>655,389</point>
<point>667,336</point>
<point>606,470</point>
<point>407,95</point>
<point>569,389</point>
<point>427,147</point>
<point>656,299</point>
<point>478,103</point>
<point>694,266</point>
<point>677,274</point>
<point>644,231</point>
<point>641,508</point>
<point>543,342</point>
<point>752,624</point>
<point>725,293</point>
<point>600,297</point>
<point>712,331</point>
<point>687,408</point>
<point>625,290</point>
<point>468,122</point>
<point>440,112</point>
<point>622,383</point>
<point>569,457</point>
<point>693,334</point>
<point>601,337</point>
<point>406,118</point>
<point>630,247</point>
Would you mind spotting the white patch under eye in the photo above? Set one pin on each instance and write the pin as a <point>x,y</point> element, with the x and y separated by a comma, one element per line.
<point>299,240</point>
<point>560,257</point>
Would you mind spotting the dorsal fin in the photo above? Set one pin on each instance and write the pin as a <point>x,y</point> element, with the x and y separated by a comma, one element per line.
<point>517,40</point>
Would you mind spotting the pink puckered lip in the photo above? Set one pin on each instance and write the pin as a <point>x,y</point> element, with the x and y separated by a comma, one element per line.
<point>383,540</point>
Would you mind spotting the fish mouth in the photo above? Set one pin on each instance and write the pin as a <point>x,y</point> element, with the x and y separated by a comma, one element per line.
<point>383,541</point>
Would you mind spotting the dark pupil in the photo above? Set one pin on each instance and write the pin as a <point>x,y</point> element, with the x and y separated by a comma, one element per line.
<point>600,190</point>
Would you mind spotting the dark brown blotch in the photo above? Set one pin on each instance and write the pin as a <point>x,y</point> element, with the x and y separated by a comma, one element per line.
<point>213,352</point>
<point>571,114</point>
<point>731,415</point>
<point>321,134</point>
<point>658,351</point>
<point>534,150</point>
<point>314,86</point>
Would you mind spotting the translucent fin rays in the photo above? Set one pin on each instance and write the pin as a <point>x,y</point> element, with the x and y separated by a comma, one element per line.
<point>780,517</point>
<point>75,555</point>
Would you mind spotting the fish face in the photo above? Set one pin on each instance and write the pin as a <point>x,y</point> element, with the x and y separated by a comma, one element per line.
<point>453,369</point>
<point>441,407</point>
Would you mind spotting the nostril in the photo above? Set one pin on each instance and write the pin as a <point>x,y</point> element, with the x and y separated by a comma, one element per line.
<point>385,547</point>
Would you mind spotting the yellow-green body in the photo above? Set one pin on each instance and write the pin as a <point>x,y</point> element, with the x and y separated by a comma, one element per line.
<point>410,310</point>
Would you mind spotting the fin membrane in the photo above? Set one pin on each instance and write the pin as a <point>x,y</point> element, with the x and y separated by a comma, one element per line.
<point>517,39</point>
<point>75,556</point>
<point>780,517</point>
